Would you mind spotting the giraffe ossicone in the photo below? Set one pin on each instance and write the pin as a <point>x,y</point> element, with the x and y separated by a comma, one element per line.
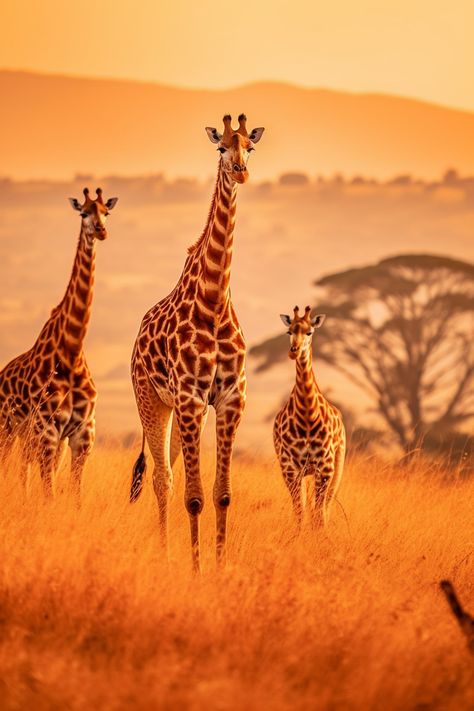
<point>190,354</point>
<point>47,395</point>
<point>308,431</point>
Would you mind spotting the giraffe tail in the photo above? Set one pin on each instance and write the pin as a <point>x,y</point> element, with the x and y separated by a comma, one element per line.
<point>138,474</point>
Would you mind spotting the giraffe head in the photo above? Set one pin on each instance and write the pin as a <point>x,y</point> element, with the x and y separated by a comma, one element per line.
<point>301,329</point>
<point>235,146</point>
<point>94,213</point>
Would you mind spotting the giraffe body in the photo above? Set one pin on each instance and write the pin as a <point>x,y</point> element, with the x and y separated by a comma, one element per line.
<point>47,395</point>
<point>308,431</point>
<point>190,354</point>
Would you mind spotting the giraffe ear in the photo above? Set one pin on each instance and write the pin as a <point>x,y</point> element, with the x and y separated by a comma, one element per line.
<point>256,134</point>
<point>214,135</point>
<point>111,202</point>
<point>286,320</point>
<point>76,205</point>
<point>318,320</point>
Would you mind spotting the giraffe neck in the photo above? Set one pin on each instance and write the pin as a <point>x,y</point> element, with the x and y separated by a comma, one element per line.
<point>306,389</point>
<point>212,255</point>
<point>73,313</point>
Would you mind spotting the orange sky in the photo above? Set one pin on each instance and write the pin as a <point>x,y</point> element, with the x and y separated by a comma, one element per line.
<point>419,48</point>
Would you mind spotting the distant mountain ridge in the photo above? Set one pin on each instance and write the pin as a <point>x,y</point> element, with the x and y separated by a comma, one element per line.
<point>55,126</point>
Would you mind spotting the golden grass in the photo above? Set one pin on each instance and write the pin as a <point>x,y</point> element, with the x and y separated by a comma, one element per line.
<point>92,617</point>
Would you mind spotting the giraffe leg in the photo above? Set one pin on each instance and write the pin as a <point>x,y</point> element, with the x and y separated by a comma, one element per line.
<point>156,418</point>
<point>175,443</point>
<point>81,444</point>
<point>47,462</point>
<point>228,418</point>
<point>175,449</point>
<point>190,416</point>
<point>25,468</point>
<point>158,434</point>
<point>336,479</point>
<point>294,482</point>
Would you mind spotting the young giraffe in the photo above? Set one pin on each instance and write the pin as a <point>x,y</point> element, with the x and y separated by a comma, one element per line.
<point>190,353</point>
<point>308,432</point>
<point>47,394</point>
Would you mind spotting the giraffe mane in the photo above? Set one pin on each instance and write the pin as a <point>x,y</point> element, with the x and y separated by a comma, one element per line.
<point>195,246</point>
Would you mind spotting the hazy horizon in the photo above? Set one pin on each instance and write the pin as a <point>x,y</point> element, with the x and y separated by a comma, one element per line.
<point>99,126</point>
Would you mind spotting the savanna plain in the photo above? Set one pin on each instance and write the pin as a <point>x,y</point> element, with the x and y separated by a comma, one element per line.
<point>92,616</point>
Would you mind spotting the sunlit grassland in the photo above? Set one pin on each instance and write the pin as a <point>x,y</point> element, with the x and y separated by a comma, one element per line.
<point>92,617</point>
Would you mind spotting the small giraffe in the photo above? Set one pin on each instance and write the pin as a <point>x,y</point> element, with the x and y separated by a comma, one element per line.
<point>308,432</point>
<point>47,394</point>
<point>190,353</point>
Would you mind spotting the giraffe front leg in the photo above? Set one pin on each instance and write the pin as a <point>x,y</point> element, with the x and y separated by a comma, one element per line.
<point>228,416</point>
<point>324,482</point>
<point>81,444</point>
<point>294,481</point>
<point>189,414</point>
<point>47,460</point>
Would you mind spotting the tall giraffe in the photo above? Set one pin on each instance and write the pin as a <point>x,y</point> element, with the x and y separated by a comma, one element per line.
<point>190,353</point>
<point>47,394</point>
<point>308,433</point>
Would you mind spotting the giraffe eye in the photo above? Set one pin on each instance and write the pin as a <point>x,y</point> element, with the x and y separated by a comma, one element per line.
<point>289,333</point>
<point>310,333</point>
<point>251,148</point>
<point>83,214</point>
<point>221,149</point>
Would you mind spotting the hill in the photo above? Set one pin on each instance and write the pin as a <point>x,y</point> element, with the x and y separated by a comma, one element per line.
<point>55,126</point>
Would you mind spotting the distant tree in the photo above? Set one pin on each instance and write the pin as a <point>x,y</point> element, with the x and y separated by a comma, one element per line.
<point>451,177</point>
<point>294,179</point>
<point>403,331</point>
<point>401,180</point>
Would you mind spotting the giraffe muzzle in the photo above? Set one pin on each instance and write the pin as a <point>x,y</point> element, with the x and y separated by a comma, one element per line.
<point>101,232</point>
<point>239,173</point>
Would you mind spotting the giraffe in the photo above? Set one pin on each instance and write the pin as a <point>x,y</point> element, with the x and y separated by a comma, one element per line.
<point>190,353</point>
<point>308,432</point>
<point>47,394</point>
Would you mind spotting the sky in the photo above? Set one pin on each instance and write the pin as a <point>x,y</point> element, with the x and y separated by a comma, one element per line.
<point>416,48</point>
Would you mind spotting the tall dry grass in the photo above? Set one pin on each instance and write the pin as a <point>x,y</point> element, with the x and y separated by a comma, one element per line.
<point>92,617</point>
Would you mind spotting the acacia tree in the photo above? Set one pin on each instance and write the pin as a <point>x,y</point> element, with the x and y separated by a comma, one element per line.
<point>403,331</point>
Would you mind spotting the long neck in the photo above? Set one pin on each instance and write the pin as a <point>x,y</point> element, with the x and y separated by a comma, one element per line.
<point>306,389</point>
<point>75,308</point>
<point>213,252</point>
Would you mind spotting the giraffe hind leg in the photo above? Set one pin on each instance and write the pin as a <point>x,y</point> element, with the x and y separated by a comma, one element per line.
<point>156,420</point>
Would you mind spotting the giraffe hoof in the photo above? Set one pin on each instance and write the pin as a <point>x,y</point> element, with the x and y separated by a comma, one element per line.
<point>194,506</point>
<point>224,501</point>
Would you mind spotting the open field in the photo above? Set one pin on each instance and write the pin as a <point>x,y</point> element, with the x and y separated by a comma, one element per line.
<point>92,617</point>
<point>287,235</point>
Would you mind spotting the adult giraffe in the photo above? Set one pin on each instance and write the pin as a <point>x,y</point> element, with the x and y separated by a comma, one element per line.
<point>190,353</point>
<point>47,394</point>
